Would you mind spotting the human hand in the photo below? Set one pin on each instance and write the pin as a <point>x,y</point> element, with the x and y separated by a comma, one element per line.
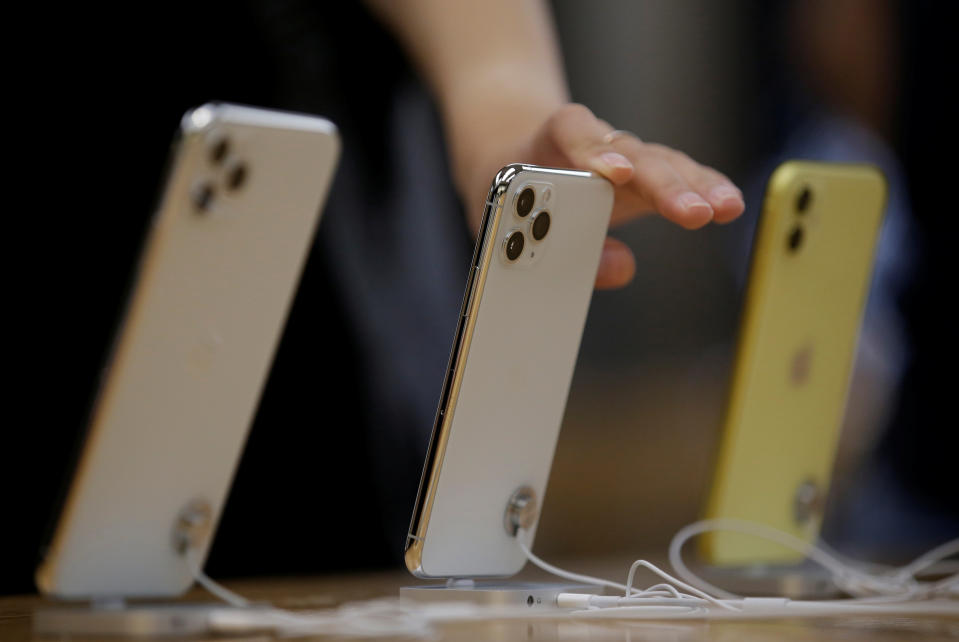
<point>647,178</point>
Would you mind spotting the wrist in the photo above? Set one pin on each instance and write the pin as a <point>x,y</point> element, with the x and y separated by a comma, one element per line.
<point>488,135</point>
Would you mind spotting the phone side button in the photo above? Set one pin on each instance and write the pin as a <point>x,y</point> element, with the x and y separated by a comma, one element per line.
<point>469,292</point>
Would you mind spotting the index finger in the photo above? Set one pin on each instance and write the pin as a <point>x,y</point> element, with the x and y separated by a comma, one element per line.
<point>580,137</point>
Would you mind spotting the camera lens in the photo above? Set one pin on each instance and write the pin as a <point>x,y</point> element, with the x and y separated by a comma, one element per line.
<point>795,239</point>
<point>203,196</point>
<point>219,149</point>
<point>524,203</point>
<point>540,225</point>
<point>514,245</point>
<point>803,200</point>
<point>236,176</point>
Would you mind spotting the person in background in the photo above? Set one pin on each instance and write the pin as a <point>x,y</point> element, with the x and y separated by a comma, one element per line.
<point>431,99</point>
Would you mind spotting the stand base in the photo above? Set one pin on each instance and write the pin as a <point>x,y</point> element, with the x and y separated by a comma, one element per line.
<point>803,581</point>
<point>141,620</point>
<point>533,595</point>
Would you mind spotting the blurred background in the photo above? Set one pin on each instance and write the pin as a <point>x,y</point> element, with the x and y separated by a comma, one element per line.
<point>738,85</point>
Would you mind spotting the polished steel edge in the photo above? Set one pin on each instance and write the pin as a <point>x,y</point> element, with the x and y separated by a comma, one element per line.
<point>414,553</point>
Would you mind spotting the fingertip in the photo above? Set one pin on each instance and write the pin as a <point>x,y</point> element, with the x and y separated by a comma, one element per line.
<point>727,203</point>
<point>613,166</point>
<point>617,265</point>
<point>728,216</point>
<point>730,211</point>
<point>692,210</point>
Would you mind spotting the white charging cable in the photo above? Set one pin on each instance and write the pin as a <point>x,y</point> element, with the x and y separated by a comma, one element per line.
<point>674,593</point>
<point>851,577</point>
<point>370,619</point>
<point>885,590</point>
<point>896,589</point>
<point>215,588</point>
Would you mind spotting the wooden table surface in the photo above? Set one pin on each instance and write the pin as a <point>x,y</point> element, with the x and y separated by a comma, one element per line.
<point>330,591</point>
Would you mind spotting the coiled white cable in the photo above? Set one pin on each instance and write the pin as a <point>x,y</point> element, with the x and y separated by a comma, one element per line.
<point>657,594</point>
<point>897,589</point>
<point>898,583</point>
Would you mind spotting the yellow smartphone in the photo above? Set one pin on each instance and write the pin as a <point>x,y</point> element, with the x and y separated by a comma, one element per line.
<point>809,278</point>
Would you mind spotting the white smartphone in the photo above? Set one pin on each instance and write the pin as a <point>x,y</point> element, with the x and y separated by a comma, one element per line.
<point>512,361</point>
<point>206,311</point>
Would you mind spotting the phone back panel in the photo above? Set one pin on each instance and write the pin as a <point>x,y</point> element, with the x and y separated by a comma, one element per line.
<point>510,372</point>
<point>192,353</point>
<point>801,319</point>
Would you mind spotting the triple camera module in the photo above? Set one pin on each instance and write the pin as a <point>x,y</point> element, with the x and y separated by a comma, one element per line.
<point>234,173</point>
<point>538,223</point>
<point>795,239</point>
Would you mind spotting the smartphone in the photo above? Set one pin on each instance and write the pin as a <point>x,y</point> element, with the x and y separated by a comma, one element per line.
<point>206,309</point>
<point>809,279</point>
<point>502,402</point>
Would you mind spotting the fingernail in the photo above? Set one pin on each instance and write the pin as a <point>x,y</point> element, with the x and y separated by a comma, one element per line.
<point>690,201</point>
<point>724,193</point>
<point>614,160</point>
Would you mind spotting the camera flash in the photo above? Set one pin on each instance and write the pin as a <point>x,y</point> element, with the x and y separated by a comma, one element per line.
<point>201,117</point>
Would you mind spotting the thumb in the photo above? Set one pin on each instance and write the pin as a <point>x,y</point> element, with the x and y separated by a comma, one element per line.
<point>617,265</point>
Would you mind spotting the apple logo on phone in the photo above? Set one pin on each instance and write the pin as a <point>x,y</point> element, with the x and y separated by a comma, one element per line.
<point>801,365</point>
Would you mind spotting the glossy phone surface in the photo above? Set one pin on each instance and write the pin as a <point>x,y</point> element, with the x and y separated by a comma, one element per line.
<point>206,311</point>
<point>811,268</point>
<point>510,370</point>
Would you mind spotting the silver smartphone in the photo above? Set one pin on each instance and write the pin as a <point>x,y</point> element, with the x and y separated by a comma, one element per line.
<point>215,281</point>
<point>509,373</point>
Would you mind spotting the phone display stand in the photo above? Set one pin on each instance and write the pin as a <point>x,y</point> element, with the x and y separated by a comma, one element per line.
<point>533,595</point>
<point>794,581</point>
<point>801,580</point>
<point>115,616</point>
<point>521,512</point>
